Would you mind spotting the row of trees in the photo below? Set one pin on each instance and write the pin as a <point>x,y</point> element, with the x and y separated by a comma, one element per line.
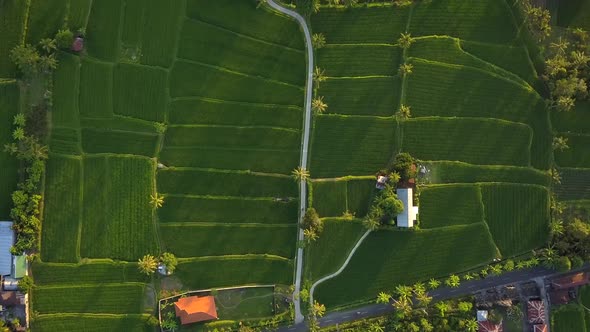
<point>148,264</point>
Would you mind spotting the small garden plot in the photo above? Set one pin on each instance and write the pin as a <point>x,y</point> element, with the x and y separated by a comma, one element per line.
<point>233,271</point>
<point>568,318</point>
<point>140,91</point>
<point>360,195</point>
<point>459,172</point>
<point>258,160</point>
<point>575,121</point>
<point>220,183</point>
<point>246,19</point>
<point>92,322</point>
<point>369,60</point>
<point>117,210</point>
<point>96,89</point>
<point>328,253</point>
<point>197,239</point>
<point>160,31</point>
<point>487,21</point>
<point>66,85</point>
<point>446,205</point>
<point>470,140</point>
<point>119,142</point>
<point>179,208</point>
<point>9,105</point>
<point>104,27</point>
<point>62,208</point>
<point>216,112</point>
<point>206,43</point>
<point>345,145</point>
<point>329,198</point>
<point>194,79</point>
<point>124,298</point>
<point>100,272</point>
<point>578,154</point>
<point>575,184</point>
<point>12,24</point>
<point>377,96</point>
<point>375,24</point>
<point>517,215</point>
<point>45,18</point>
<point>388,258</point>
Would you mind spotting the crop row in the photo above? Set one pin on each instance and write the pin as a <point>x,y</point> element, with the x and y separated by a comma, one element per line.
<point>100,272</point>
<point>575,184</point>
<point>333,198</point>
<point>94,323</point>
<point>66,84</point>
<point>367,60</point>
<point>447,205</point>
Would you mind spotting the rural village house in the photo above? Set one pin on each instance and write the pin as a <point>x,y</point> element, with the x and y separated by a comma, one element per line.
<point>195,309</point>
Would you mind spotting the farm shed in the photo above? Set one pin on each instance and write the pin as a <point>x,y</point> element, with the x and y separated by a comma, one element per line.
<point>381,182</point>
<point>195,309</point>
<point>6,242</point>
<point>408,215</point>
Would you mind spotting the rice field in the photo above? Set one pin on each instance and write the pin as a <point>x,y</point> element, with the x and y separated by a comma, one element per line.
<point>460,172</point>
<point>100,272</point>
<point>577,155</point>
<point>568,318</point>
<point>9,105</point>
<point>330,198</point>
<point>378,96</point>
<point>66,86</point>
<point>575,184</point>
<point>12,26</point>
<point>448,205</point>
<point>45,18</point>
<point>92,322</point>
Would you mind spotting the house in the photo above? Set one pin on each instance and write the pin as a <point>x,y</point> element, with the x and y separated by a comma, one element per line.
<point>6,242</point>
<point>195,309</point>
<point>482,315</point>
<point>536,311</point>
<point>408,215</point>
<point>574,280</point>
<point>78,44</point>
<point>381,182</point>
<point>488,326</point>
<point>540,328</point>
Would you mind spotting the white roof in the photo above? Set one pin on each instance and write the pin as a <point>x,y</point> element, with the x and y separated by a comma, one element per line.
<point>6,242</point>
<point>408,215</point>
<point>482,315</point>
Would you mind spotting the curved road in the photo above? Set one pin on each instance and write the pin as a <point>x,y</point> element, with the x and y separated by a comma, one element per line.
<point>304,149</point>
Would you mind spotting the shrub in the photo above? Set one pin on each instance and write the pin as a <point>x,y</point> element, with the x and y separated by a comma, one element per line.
<point>403,164</point>
<point>563,264</point>
<point>170,261</point>
<point>577,262</point>
<point>26,284</point>
<point>64,39</point>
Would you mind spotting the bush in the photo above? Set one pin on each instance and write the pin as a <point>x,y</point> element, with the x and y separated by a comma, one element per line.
<point>563,264</point>
<point>577,262</point>
<point>312,221</point>
<point>403,164</point>
<point>26,284</point>
<point>170,261</point>
<point>64,39</point>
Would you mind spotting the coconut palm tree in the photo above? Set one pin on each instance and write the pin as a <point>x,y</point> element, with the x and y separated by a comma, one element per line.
<point>559,143</point>
<point>471,325</point>
<point>560,45</point>
<point>404,292</point>
<point>157,200</point>
<point>442,308</point>
<point>19,120</point>
<point>405,112</point>
<point>453,281</point>
<point>318,105</point>
<point>48,63</point>
<point>556,227</point>
<point>433,283</point>
<point>318,76</point>
<point>18,134</point>
<point>405,40</point>
<point>555,176</point>
<point>419,288</point>
<point>496,269</point>
<point>318,310</point>
<point>48,45</point>
<point>375,327</point>
<point>310,235</point>
<point>147,264</point>
<point>406,69</point>
<point>403,307</point>
<point>300,174</point>
<point>318,40</point>
<point>424,299</point>
<point>383,297</point>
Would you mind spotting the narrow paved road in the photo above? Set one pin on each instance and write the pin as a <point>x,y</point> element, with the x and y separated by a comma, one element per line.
<point>304,149</point>
<point>466,288</point>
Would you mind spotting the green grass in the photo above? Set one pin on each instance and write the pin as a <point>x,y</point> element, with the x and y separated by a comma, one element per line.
<point>329,198</point>
<point>576,120</point>
<point>469,140</point>
<point>193,79</point>
<point>96,89</point>
<point>133,22</point>
<point>368,60</point>
<point>79,11</point>
<point>248,303</point>
<point>387,258</point>
<point>455,171</point>
<point>140,92</point>
<point>376,24</point>
<point>227,210</point>
<point>66,85</point>
<point>12,17</point>
<point>117,211</point>
<point>99,272</point>
<point>328,253</point>
<point>344,145</point>
<point>45,19</point>
<point>160,33</point>
<point>104,26</point>
<point>259,160</point>
<point>94,323</point>
<point>377,96</point>
<point>209,44</point>
<point>124,298</point>
<point>489,21</point>
<point>577,155</point>
<point>119,122</point>
<point>584,296</point>
<point>203,182</point>
<point>517,215</point>
<point>449,205</point>
<point>117,141</point>
<point>65,141</point>
<point>213,112</point>
<point>9,106</point>
<point>59,239</point>
<point>223,272</point>
<point>194,239</point>
<point>574,14</point>
<point>262,23</point>
<point>360,195</point>
<point>232,137</point>
<point>575,184</point>
<point>568,318</point>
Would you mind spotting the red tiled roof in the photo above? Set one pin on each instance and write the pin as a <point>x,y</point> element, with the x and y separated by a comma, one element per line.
<point>195,309</point>
<point>488,326</point>
<point>78,44</point>
<point>577,279</point>
<point>540,328</point>
<point>536,311</point>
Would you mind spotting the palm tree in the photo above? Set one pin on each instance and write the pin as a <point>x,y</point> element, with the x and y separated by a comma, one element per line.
<point>405,112</point>
<point>496,269</point>
<point>403,307</point>
<point>48,63</point>
<point>406,69</point>
<point>419,288</point>
<point>565,104</point>
<point>560,45</point>
<point>404,292</point>
<point>579,58</point>
<point>405,40</point>
<point>310,235</point>
<point>48,45</point>
<point>318,105</point>
<point>318,310</point>
<point>375,327</point>
<point>433,283</point>
<point>318,40</point>
<point>555,176</point>
<point>520,265</point>
<point>300,174</point>
<point>556,227</point>
<point>559,143</point>
<point>148,264</point>
<point>383,297</point>
<point>468,277</point>
<point>319,76</point>
<point>471,325</point>
<point>424,299</point>
<point>442,308</point>
<point>157,200</point>
<point>371,223</point>
<point>18,134</point>
<point>453,281</point>
<point>20,120</point>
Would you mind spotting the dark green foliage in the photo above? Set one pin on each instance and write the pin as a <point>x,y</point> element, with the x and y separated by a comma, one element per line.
<point>26,284</point>
<point>574,13</point>
<point>563,264</point>
<point>9,105</point>
<point>312,221</point>
<point>404,165</point>
<point>64,39</point>
<point>45,19</point>
<point>12,25</point>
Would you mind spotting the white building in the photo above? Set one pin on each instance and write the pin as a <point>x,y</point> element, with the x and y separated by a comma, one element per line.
<point>408,215</point>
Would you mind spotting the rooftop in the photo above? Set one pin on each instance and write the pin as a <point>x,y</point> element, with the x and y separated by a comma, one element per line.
<point>570,281</point>
<point>536,311</point>
<point>408,215</point>
<point>6,242</point>
<point>195,309</point>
